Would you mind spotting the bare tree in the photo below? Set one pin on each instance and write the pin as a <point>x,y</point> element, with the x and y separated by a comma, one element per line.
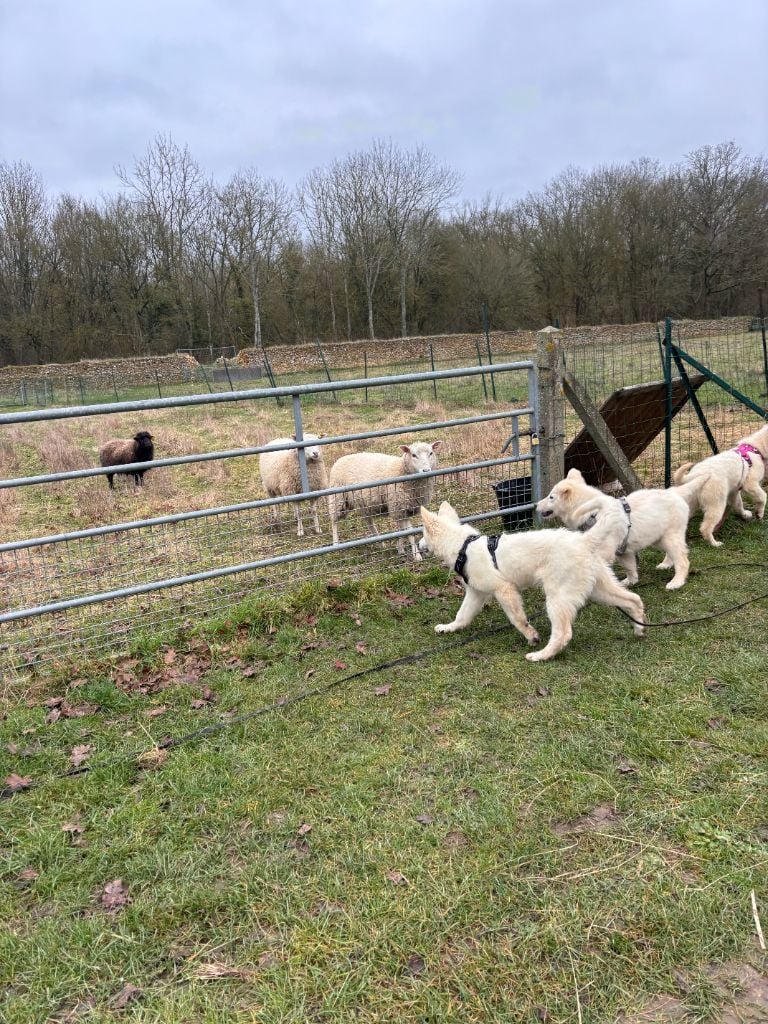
<point>171,189</point>
<point>258,212</point>
<point>24,256</point>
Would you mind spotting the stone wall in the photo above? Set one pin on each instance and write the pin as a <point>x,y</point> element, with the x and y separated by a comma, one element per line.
<point>101,374</point>
<point>450,347</point>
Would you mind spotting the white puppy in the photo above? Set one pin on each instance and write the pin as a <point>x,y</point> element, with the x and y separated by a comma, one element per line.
<point>741,468</point>
<point>567,566</point>
<point>652,518</point>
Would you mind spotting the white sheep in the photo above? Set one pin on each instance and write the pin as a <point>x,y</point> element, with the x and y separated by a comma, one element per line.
<point>400,500</point>
<point>280,476</point>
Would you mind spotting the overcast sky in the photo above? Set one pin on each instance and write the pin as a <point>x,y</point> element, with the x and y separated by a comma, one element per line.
<point>507,92</point>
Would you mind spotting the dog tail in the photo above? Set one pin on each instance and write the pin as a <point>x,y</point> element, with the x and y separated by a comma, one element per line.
<point>678,477</point>
<point>609,530</point>
<point>691,489</point>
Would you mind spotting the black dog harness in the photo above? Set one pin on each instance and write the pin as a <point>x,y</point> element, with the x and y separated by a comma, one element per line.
<point>460,565</point>
<point>622,548</point>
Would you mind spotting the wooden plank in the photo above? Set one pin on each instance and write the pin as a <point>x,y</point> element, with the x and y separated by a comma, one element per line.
<point>600,433</point>
<point>634,416</point>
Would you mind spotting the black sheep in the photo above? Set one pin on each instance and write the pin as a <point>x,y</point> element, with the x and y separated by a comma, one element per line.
<point>122,453</point>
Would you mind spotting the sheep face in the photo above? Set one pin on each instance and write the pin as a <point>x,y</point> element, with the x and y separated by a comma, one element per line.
<point>420,457</point>
<point>313,453</point>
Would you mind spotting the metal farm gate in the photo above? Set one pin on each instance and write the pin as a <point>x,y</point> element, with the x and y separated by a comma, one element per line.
<point>100,585</point>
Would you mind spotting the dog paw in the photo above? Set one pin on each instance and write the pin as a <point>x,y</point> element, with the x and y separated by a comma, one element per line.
<point>675,584</point>
<point>533,638</point>
<point>418,557</point>
<point>666,564</point>
<point>716,543</point>
<point>538,656</point>
<point>444,627</point>
<point>746,515</point>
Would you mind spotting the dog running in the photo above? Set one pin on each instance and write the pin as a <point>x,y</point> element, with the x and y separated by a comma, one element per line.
<point>567,566</point>
<point>654,517</point>
<point>740,470</point>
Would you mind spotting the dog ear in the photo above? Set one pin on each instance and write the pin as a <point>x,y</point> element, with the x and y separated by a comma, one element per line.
<point>574,474</point>
<point>427,517</point>
<point>447,511</point>
<point>564,491</point>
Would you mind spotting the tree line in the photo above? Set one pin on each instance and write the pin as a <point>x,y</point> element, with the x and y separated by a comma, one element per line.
<point>374,245</point>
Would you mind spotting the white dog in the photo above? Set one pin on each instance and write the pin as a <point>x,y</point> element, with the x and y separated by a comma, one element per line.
<point>652,518</point>
<point>741,468</point>
<point>567,566</point>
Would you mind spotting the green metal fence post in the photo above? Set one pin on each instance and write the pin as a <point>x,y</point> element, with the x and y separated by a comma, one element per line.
<point>159,389</point>
<point>480,363</point>
<point>432,362</point>
<point>762,330</point>
<point>488,348</point>
<point>365,371</point>
<point>224,358</point>
<point>668,404</point>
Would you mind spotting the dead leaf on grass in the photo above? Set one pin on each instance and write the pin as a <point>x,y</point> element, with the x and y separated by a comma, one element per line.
<point>154,712</point>
<point>424,819</point>
<point>27,875</point>
<point>339,665</point>
<point>382,691</point>
<point>155,757</point>
<point>114,896</point>
<point>15,783</point>
<point>361,648</point>
<point>80,753</point>
<point>415,965</point>
<point>455,840</point>
<point>396,878</point>
<point>127,994</point>
<point>303,829</point>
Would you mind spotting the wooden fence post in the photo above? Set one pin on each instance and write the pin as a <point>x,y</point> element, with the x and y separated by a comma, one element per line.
<point>550,366</point>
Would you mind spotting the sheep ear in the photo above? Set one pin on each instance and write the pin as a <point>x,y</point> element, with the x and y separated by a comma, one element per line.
<point>320,435</point>
<point>293,437</point>
<point>405,449</point>
<point>436,445</point>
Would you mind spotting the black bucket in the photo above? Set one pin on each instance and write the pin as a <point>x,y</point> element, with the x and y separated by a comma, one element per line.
<point>509,494</point>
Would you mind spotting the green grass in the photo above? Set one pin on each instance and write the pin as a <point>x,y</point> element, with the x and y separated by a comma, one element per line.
<point>508,907</point>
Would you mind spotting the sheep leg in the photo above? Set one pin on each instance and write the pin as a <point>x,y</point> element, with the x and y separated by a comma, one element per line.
<point>414,550</point>
<point>316,515</point>
<point>111,481</point>
<point>299,523</point>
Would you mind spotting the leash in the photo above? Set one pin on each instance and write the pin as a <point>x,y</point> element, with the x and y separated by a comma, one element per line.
<point>622,548</point>
<point>210,730</point>
<point>710,615</point>
<point>407,659</point>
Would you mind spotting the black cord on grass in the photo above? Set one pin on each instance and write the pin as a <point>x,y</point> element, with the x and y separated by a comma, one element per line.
<point>406,659</point>
<point>210,730</point>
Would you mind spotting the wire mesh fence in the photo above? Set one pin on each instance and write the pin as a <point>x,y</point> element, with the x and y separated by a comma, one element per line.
<point>629,356</point>
<point>194,550</point>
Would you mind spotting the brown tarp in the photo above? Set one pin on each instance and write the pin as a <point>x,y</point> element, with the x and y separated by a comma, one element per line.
<point>634,415</point>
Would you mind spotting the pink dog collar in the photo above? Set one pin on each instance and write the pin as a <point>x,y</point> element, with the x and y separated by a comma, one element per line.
<point>745,450</point>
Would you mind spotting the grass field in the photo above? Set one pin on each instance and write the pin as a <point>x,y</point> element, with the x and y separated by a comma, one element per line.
<point>466,837</point>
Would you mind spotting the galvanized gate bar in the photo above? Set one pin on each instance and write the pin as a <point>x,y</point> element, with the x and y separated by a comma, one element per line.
<point>72,412</point>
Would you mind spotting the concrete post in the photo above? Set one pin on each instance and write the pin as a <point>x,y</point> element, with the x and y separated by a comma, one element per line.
<point>550,367</point>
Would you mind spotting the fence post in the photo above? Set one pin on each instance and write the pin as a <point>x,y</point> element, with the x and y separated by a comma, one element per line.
<point>365,372</point>
<point>551,408</point>
<point>224,358</point>
<point>762,330</point>
<point>480,363</point>
<point>432,361</point>
<point>114,383</point>
<point>82,392</point>
<point>299,436</point>
<point>668,402</point>
<point>325,367</point>
<point>488,349</point>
